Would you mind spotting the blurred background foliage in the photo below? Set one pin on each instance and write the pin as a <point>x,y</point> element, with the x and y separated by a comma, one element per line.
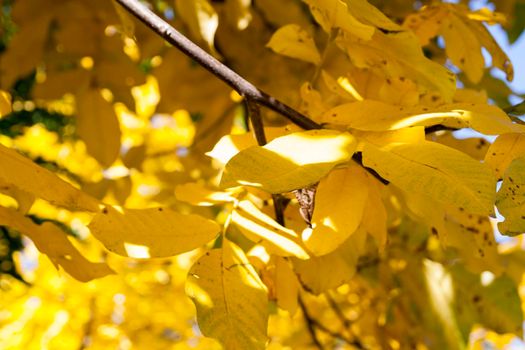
<point>168,113</point>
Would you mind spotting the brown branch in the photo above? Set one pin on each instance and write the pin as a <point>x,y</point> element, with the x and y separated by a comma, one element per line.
<point>246,89</point>
<point>254,115</point>
<point>221,71</point>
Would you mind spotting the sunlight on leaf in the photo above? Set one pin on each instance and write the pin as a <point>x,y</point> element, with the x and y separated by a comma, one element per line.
<point>20,172</point>
<point>440,172</point>
<point>262,229</point>
<point>53,242</point>
<point>163,232</point>
<point>289,162</point>
<point>340,201</point>
<point>237,313</point>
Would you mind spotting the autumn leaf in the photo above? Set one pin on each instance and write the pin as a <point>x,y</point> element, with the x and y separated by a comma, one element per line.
<point>510,199</point>
<point>5,103</point>
<point>98,127</point>
<point>503,151</point>
<point>262,229</point>
<point>52,241</point>
<point>151,233</point>
<point>289,162</point>
<point>21,173</point>
<point>378,116</point>
<point>230,298</point>
<point>440,172</point>
<point>293,41</point>
<point>340,202</point>
<point>201,18</point>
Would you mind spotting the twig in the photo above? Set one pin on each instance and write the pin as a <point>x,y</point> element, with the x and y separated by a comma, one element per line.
<point>438,127</point>
<point>310,323</point>
<point>242,86</point>
<point>221,71</point>
<point>313,323</point>
<point>254,114</point>
<point>333,304</point>
<point>86,340</point>
<point>358,158</point>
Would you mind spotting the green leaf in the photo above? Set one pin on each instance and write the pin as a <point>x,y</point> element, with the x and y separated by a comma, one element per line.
<point>495,305</point>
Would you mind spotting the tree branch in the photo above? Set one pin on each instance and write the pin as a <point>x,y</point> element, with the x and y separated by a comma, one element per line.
<point>246,89</point>
<point>221,71</point>
<point>310,323</point>
<point>254,114</point>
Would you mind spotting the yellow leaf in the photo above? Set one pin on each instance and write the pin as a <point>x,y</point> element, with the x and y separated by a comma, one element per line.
<point>322,273</point>
<point>463,47</point>
<point>197,194</point>
<point>510,199</point>
<point>340,202</point>
<point>499,57</point>
<point>238,13</point>
<point>20,172</point>
<point>311,101</point>
<point>367,13</point>
<point>126,21</point>
<point>473,237</point>
<point>293,41</point>
<point>334,86</point>
<point>262,229</point>
<point>154,232</point>
<point>503,151</point>
<point>442,173</point>
<point>427,210</point>
<point>230,145</point>
<point>397,54</point>
<point>26,49</point>
<point>52,241</point>
<point>375,215</point>
<point>476,147</point>
<point>406,135</point>
<point>373,115</point>
<point>235,311</point>
<point>98,126</point>
<point>335,14</point>
<point>5,103</point>
<point>286,285</point>
<point>201,18</point>
<point>24,199</point>
<point>426,23</point>
<point>289,162</point>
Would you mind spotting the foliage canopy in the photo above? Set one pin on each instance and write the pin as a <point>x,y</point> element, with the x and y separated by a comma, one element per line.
<point>183,214</point>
